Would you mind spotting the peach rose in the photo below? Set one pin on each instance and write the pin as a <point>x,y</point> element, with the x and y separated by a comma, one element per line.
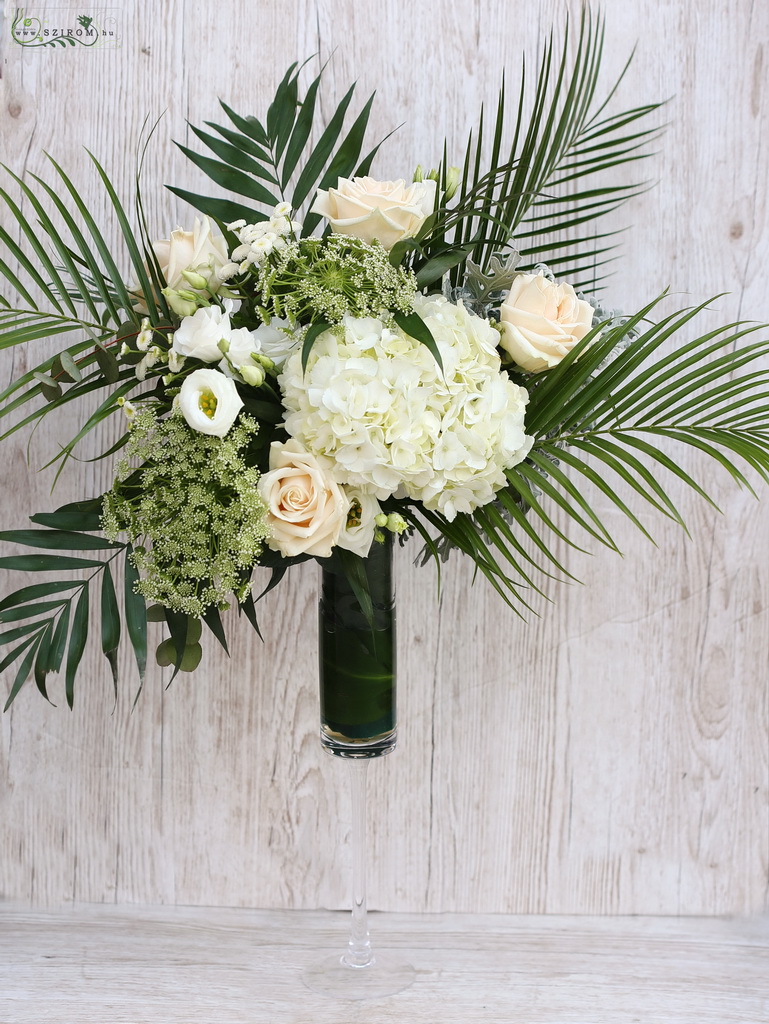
<point>542,321</point>
<point>306,508</point>
<point>383,210</point>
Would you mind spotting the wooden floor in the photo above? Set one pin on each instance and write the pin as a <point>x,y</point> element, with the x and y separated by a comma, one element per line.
<point>138,965</point>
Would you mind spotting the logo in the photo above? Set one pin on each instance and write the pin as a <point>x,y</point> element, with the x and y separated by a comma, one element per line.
<point>65,27</point>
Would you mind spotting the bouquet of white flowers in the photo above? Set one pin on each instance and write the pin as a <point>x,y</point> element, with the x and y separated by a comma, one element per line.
<point>331,359</point>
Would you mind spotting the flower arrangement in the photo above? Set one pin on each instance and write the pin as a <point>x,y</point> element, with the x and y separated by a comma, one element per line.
<point>333,358</point>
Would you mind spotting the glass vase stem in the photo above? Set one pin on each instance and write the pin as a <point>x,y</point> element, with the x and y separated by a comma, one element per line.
<point>359,952</point>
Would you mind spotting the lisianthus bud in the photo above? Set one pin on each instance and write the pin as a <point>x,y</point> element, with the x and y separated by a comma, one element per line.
<point>396,523</point>
<point>195,280</point>
<point>452,183</point>
<point>381,519</point>
<point>264,361</point>
<point>419,173</point>
<point>183,303</point>
<point>253,375</point>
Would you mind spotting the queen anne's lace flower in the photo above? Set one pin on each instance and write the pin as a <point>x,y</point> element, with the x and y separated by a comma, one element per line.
<point>375,409</point>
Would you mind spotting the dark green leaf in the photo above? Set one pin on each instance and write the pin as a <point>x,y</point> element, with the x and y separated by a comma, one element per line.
<point>234,155</point>
<point>135,615</point>
<point>59,642</point>
<point>38,590</point>
<point>108,364</point>
<point>79,516</point>
<point>413,325</point>
<point>110,614</point>
<point>301,132</point>
<point>231,178</point>
<point>222,210</point>
<point>355,570</point>
<point>58,540</point>
<point>47,563</point>
<point>313,168</point>
<point>26,611</point>
<point>24,669</point>
<point>436,267</point>
<point>213,620</point>
<point>77,640</point>
<point>248,125</point>
<point>313,331</point>
<point>249,610</point>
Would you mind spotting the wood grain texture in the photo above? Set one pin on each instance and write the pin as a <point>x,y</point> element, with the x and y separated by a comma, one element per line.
<point>136,965</point>
<point>608,757</point>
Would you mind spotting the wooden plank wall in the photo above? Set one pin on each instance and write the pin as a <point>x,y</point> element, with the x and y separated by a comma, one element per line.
<point>607,757</point>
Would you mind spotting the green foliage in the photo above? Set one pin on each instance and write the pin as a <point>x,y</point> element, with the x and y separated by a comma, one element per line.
<point>542,184</point>
<point>604,414</point>
<point>260,161</point>
<point>84,293</point>
<point>56,634</point>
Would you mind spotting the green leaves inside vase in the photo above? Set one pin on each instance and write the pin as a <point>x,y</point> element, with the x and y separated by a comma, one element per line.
<point>357,658</point>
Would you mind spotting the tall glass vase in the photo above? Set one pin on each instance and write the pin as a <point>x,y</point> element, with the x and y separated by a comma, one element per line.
<point>358,662</point>
<point>358,723</point>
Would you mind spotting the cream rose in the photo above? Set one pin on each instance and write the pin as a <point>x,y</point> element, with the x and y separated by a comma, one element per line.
<point>202,252</point>
<point>383,210</point>
<point>306,508</point>
<point>209,402</point>
<point>542,321</point>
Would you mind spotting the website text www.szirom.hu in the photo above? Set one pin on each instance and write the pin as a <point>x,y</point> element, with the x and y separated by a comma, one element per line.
<point>50,26</point>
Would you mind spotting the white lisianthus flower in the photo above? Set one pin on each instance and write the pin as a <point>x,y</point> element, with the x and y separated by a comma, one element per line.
<point>243,344</point>
<point>275,340</point>
<point>358,533</point>
<point>385,211</point>
<point>542,321</point>
<point>199,335</point>
<point>209,402</point>
<point>306,508</point>
<point>375,409</point>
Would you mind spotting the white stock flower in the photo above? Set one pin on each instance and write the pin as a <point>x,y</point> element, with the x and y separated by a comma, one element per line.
<point>376,410</point>
<point>198,336</point>
<point>153,356</point>
<point>175,361</point>
<point>144,337</point>
<point>306,508</point>
<point>209,402</point>
<point>358,533</point>
<point>365,208</point>
<point>542,321</point>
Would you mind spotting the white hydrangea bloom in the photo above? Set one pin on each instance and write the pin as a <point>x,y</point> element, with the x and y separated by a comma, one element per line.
<point>375,409</point>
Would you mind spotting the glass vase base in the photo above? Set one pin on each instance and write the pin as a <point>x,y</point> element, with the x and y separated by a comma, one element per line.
<point>343,746</point>
<point>384,975</point>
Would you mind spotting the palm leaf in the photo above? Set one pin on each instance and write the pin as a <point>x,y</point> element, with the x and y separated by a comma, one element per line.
<point>279,152</point>
<point>547,182</point>
<point>604,420</point>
